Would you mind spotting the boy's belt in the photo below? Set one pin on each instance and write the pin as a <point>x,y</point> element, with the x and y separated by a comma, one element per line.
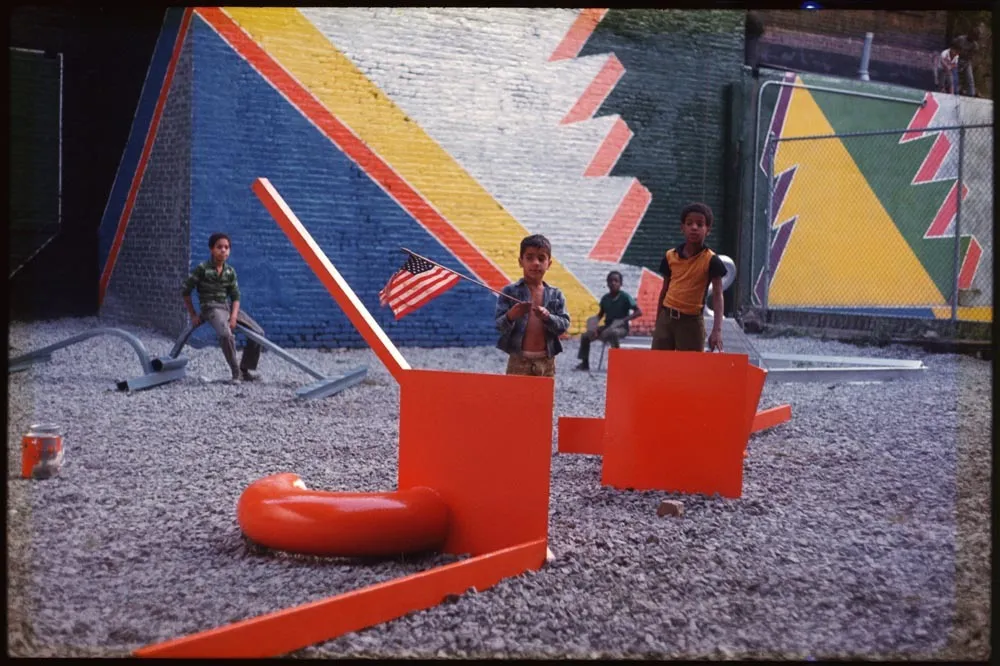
<point>677,314</point>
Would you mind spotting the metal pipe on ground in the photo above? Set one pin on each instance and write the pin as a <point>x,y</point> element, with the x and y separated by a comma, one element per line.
<point>45,353</point>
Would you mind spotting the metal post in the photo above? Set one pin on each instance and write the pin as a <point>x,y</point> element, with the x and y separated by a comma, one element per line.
<point>958,224</point>
<point>866,55</point>
<point>772,142</point>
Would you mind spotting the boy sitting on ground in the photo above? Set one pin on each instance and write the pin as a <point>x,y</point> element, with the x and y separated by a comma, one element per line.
<point>618,308</point>
<point>216,283</point>
<point>530,330</point>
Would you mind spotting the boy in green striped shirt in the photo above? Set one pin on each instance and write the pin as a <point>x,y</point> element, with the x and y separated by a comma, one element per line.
<point>216,283</point>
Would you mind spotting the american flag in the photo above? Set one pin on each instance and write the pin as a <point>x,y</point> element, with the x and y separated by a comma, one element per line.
<point>414,285</point>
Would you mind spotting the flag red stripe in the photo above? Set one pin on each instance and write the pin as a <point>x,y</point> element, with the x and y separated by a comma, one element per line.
<point>406,278</point>
<point>405,293</point>
<point>401,280</point>
<point>425,296</point>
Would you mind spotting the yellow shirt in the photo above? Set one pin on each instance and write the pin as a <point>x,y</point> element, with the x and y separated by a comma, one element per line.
<point>689,279</point>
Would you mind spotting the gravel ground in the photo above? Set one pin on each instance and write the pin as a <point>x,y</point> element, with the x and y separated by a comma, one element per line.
<point>863,531</point>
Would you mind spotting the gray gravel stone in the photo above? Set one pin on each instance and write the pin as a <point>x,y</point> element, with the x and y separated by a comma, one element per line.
<point>863,529</point>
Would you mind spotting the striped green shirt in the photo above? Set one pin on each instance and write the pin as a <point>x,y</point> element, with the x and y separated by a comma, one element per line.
<point>212,286</point>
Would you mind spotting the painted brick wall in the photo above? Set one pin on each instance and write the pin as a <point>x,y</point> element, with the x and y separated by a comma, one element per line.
<point>244,129</point>
<point>145,286</point>
<point>672,96</point>
<point>510,113</point>
<point>505,121</point>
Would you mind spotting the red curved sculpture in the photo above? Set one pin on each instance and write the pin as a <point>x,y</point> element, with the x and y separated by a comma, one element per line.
<point>279,512</point>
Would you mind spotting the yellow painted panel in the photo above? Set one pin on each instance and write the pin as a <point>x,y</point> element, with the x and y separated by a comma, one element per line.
<point>293,41</point>
<point>844,249</point>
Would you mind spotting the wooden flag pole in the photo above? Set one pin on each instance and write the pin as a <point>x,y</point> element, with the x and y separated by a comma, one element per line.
<point>498,293</point>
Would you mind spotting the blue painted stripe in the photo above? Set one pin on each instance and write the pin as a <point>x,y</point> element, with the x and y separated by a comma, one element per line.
<point>243,129</point>
<point>152,88</point>
<point>914,313</point>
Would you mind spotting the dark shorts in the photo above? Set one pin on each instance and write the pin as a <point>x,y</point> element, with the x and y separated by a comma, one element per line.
<point>683,333</point>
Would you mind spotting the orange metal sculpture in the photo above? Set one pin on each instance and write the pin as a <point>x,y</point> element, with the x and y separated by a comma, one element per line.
<point>462,488</point>
<point>279,512</point>
<point>701,453</point>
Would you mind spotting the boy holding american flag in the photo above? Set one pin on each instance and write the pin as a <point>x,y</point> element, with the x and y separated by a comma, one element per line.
<point>530,330</point>
<point>530,314</point>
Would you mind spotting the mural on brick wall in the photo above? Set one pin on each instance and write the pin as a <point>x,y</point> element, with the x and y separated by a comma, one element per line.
<point>453,132</point>
<point>867,224</point>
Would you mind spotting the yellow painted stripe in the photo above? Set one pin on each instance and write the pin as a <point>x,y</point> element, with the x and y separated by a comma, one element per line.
<point>293,41</point>
<point>976,313</point>
<point>845,249</point>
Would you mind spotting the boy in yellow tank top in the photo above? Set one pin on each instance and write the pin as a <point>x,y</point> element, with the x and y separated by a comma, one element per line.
<point>687,271</point>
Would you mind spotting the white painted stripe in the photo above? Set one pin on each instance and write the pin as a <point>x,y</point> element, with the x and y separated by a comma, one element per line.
<point>488,95</point>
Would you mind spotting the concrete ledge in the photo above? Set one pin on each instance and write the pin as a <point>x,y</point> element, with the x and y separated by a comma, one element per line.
<point>935,335</point>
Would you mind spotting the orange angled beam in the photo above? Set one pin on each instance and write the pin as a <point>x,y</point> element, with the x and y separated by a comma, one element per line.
<point>285,631</point>
<point>771,417</point>
<point>331,279</point>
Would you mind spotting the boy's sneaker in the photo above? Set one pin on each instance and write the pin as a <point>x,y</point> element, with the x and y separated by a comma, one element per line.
<point>249,376</point>
<point>583,366</point>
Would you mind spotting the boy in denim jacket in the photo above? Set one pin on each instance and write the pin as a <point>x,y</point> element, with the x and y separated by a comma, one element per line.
<point>530,330</point>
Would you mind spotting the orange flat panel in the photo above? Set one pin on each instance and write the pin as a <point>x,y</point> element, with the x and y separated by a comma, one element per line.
<point>771,417</point>
<point>484,443</point>
<point>676,421</point>
<point>581,435</point>
<point>285,631</point>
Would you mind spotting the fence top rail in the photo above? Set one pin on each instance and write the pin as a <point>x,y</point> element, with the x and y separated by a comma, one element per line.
<point>905,130</point>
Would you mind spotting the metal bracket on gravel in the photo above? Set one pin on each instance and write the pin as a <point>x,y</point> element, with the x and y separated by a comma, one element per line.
<point>806,367</point>
<point>326,386</point>
<point>156,370</point>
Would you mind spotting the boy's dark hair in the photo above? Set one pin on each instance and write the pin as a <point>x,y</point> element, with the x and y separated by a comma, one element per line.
<point>620,278</point>
<point>214,238</point>
<point>537,241</point>
<point>698,208</point>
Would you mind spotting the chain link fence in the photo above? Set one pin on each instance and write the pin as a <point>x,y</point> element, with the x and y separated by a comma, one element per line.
<point>873,223</point>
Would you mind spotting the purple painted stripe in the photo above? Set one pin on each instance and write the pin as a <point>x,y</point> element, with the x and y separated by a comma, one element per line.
<point>780,190</point>
<point>778,117</point>
<point>778,246</point>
